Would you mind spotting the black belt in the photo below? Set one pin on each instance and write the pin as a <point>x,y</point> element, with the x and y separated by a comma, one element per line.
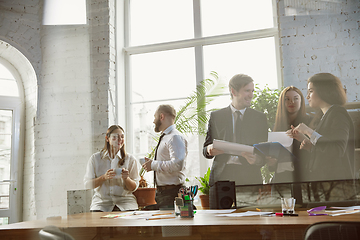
<point>167,187</point>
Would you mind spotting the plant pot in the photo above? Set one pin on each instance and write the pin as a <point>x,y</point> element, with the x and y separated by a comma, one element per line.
<point>204,201</point>
<point>145,196</point>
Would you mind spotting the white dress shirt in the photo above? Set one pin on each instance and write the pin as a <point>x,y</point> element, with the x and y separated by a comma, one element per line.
<point>170,161</point>
<point>113,191</point>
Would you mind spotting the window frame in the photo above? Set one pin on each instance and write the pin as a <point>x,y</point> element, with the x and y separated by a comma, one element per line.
<point>198,42</point>
<point>17,106</point>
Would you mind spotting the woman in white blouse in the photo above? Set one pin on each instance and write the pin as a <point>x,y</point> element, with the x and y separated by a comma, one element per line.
<point>113,174</point>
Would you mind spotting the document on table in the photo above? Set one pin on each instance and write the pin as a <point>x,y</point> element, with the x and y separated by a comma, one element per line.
<point>137,215</point>
<point>343,210</point>
<point>222,211</point>
<point>347,208</point>
<point>245,214</point>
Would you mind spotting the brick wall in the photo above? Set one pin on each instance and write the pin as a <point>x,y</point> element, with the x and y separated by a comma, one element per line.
<point>320,36</point>
<point>68,108</point>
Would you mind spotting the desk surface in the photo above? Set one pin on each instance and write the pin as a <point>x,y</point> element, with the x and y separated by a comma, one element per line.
<point>203,224</point>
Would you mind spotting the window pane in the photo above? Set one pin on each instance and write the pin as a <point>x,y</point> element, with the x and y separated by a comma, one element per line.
<point>64,12</point>
<point>5,156</point>
<point>255,58</point>
<point>4,221</point>
<point>220,101</point>
<point>160,21</point>
<point>231,16</point>
<point>8,84</point>
<point>163,75</point>
<point>145,138</point>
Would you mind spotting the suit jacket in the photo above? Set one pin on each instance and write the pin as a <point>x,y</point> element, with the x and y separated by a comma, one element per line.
<point>332,157</point>
<point>254,129</point>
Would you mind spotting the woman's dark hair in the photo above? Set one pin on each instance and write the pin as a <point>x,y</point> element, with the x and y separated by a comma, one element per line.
<point>329,88</point>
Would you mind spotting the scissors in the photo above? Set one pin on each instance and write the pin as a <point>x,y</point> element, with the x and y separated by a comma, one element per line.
<point>194,190</point>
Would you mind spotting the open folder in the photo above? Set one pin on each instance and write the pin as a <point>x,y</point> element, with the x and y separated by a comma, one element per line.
<point>272,149</point>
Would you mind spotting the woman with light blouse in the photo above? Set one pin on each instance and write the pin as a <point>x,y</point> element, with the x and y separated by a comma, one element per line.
<point>113,174</point>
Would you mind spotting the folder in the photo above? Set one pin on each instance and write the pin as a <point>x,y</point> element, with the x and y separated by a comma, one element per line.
<point>275,150</point>
<point>272,149</point>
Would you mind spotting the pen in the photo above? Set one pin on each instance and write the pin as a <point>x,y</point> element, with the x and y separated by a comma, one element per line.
<point>287,214</point>
<point>159,214</point>
<point>160,218</point>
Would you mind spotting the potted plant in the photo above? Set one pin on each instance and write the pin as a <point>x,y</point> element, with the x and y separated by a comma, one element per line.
<point>191,118</point>
<point>144,195</point>
<point>205,188</point>
<point>265,100</point>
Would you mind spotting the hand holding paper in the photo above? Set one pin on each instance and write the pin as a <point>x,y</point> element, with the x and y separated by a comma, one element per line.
<point>232,148</point>
<point>212,151</point>
<point>251,158</point>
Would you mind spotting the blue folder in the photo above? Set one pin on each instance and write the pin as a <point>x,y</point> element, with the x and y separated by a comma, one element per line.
<point>275,150</point>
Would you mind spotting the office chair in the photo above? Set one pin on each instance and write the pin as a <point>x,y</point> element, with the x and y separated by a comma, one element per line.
<point>54,233</point>
<point>333,231</point>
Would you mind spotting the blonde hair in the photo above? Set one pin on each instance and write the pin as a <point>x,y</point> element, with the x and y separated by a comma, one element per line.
<point>282,119</point>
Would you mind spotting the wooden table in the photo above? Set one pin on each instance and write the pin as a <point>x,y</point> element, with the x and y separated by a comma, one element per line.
<point>202,226</point>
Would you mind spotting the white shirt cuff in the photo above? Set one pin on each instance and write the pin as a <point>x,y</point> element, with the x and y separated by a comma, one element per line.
<point>315,137</point>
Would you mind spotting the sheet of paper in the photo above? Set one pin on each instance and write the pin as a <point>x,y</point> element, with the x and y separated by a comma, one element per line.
<point>347,208</point>
<point>245,214</point>
<point>344,213</point>
<point>280,137</point>
<point>232,148</point>
<point>215,211</point>
<point>133,215</point>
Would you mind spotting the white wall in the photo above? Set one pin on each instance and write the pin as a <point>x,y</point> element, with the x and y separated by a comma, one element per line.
<point>74,65</point>
<point>321,36</point>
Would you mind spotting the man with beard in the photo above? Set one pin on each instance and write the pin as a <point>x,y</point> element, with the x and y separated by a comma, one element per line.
<point>169,159</point>
<point>236,123</point>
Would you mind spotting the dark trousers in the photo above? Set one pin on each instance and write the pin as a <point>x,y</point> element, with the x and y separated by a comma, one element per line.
<point>164,198</point>
<point>115,209</point>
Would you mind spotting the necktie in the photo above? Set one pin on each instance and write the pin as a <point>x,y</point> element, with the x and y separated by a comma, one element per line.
<point>155,155</point>
<point>237,126</point>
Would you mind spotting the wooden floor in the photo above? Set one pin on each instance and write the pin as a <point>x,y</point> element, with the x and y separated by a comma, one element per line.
<point>202,226</point>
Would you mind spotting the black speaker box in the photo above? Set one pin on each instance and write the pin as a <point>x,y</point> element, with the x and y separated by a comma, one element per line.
<point>222,195</point>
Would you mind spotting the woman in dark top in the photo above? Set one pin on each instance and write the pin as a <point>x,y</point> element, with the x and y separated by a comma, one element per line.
<point>331,143</point>
<point>290,112</point>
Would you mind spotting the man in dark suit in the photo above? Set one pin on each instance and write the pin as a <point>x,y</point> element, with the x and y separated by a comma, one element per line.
<point>241,124</point>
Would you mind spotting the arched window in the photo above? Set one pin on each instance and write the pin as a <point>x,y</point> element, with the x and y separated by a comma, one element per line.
<point>10,111</point>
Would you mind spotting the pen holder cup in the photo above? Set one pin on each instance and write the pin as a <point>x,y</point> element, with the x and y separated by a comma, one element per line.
<point>288,205</point>
<point>187,211</point>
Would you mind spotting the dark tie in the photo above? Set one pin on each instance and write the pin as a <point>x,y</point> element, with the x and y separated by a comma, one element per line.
<point>237,126</point>
<point>155,155</point>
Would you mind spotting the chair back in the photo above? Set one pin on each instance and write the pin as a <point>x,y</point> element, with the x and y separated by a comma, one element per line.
<point>333,231</point>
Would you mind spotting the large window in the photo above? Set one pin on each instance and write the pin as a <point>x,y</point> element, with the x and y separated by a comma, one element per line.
<point>10,106</point>
<point>172,45</point>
